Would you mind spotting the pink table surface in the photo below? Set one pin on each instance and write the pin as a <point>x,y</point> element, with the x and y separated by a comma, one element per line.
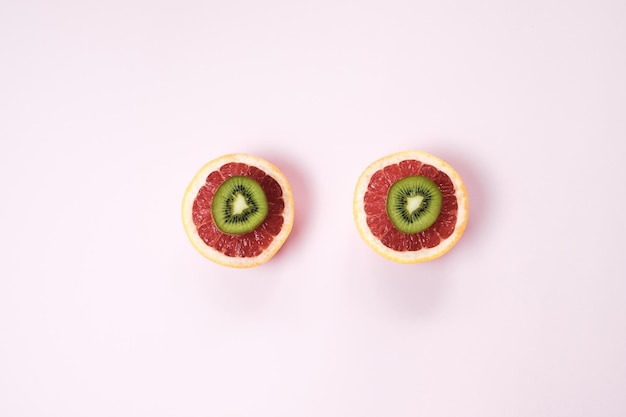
<point>109,108</point>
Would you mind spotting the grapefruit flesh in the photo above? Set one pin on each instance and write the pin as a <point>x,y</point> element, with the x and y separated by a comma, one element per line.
<point>238,250</point>
<point>374,224</point>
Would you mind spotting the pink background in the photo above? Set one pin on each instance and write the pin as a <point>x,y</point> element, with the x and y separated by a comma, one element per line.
<point>109,108</point>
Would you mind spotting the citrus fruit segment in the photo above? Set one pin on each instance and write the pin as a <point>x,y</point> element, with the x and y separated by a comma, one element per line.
<point>238,210</point>
<point>399,214</point>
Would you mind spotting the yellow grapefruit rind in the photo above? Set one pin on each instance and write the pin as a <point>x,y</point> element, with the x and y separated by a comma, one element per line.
<point>422,255</point>
<point>199,180</point>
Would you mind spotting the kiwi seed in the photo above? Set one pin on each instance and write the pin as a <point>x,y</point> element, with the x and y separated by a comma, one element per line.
<point>239,205</point>
<point>413,204</point>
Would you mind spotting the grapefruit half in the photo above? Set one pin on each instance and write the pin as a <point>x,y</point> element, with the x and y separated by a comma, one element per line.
<point>238,250</point>
<point>371,212</point>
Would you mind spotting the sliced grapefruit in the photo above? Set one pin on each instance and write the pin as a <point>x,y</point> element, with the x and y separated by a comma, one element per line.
<point>410,207</point>
<point>238,210</point>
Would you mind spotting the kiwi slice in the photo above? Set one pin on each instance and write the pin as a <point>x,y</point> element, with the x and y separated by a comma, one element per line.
<point>239,205</point>
<point>413,204</point>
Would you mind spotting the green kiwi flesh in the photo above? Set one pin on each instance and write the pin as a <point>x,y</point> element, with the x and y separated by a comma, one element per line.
<point>413,204</point>
<point>239,205</point>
